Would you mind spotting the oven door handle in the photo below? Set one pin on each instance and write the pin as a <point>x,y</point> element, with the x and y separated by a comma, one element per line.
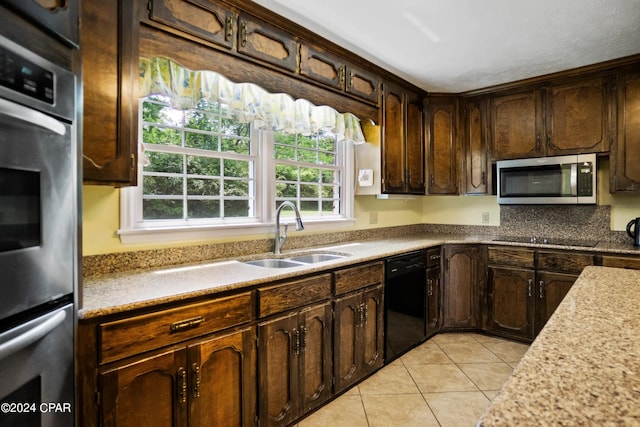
<point>17,111</point>
<point>34,334</point>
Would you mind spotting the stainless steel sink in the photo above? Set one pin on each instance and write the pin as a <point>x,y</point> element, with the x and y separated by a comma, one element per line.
<point>295,261</point>
<point>274,263</point>
<point>313,258</point>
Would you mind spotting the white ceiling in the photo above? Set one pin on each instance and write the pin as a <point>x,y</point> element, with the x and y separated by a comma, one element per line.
<point>461,45</point>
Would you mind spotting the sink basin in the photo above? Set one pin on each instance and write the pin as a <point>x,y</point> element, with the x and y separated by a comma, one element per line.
<point>313,258</point>
<point>274,263</point>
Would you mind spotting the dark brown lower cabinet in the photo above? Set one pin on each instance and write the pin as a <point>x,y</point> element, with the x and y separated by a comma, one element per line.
<point>461,283</point>
<point>358,336</point>
<point>552,288</point>
<point>510,297</point>
<point>294,364</point>
<point>208,383</point>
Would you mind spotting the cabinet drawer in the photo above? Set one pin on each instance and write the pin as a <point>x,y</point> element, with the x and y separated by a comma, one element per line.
<point>354,278</point>
<point>621,262</point>
<point>563,261</point>
<point>138,334</point>
<point>203,19</point>
<point>510,256</point>
<point>287,296</point>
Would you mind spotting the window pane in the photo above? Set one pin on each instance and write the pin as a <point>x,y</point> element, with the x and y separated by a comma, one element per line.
<point>307,191</point>
<point>202,141</point>
<point>286,173</point>
<point>161,136</point>
<point>309,207</point>
<point>201,120</point>
<point>236,168</point>
<point>162,185</point>
<point>203,187</point>
<point>287,190</point>
<point>330,207</point>
<point>198,165</point>
<point>236,208</point>
<point>236,145</point>
<point>308,142</point>
<point>307,156</point>
<point>283,152</point>
<point>162,209</point>
<point>309,175</point>
<point>203,208</point>
<point>328,191</point>
<point>326,158</point>
<point>330,177</point>
<point>164,162</point>
<point>236,188</point>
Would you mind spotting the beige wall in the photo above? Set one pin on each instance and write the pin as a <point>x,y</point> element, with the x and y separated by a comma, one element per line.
<point>101,217</point>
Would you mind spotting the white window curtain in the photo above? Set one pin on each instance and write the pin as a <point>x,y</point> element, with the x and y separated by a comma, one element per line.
<point>247,102</point>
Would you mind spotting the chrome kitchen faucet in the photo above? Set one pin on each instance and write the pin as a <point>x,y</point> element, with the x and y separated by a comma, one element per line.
<point>279,240</point>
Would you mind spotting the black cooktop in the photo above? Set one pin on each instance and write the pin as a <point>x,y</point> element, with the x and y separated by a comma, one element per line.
<point>588,243</point>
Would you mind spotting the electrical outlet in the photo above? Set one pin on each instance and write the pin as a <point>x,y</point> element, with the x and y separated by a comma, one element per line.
<point>485,217</point>
<point>373,217</point>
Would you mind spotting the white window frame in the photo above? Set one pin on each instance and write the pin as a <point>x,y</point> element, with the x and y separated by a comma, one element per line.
<point>133,230</point>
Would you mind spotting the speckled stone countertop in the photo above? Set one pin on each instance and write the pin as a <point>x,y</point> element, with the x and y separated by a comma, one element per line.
<point>104,294</point>
<point>584,367</point>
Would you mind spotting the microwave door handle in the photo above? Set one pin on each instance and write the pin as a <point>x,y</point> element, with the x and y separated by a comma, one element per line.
<point>17,111</point>
<point>34,334</point>
<point>574,179</point>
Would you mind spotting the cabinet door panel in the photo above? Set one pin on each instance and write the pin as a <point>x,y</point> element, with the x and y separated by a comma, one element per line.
<point>460,301</point>
<point>516,122</point>
<point>552,288</point>
<point>221,384</point>
<point>345,341</point>
<point>322,67</point>
<point>362,84</point>
<point>476,149</point>
<point>278,370</point>
<point>316,369</point>
<point>625,167</point>
<point>442,148</point>
<point>510,301</point>
<point>267,43</point>
<point>415,148</point>
<point>393,147</point>
<point>201,18</point>
<point>147,392</point>
<point>578,118</point>
<point>372,329</point>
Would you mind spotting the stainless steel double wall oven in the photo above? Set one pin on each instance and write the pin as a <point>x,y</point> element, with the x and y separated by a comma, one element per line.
<point>38,237</point>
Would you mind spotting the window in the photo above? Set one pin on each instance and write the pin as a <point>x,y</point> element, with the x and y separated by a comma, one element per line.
<point>207,174</point>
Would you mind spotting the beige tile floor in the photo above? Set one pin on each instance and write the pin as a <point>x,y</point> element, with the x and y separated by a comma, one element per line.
<point>447,381</point>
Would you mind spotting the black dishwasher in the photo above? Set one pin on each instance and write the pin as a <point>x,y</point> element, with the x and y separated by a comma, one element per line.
<point>405,302</point>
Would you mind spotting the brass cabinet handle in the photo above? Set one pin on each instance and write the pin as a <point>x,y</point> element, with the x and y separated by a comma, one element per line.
<point>243,33</point>
<point>296,342</point>
<point>341,75</point>
<point>182,325</point>
<point>303,340</point>
<point>228,34</point>
<point>530,284</point>
<point>429,287</point>
<point>541,289</point>
<point>365,318</point>
<point>195,369</point>
<point>182,385</point>
<point>350,81</point>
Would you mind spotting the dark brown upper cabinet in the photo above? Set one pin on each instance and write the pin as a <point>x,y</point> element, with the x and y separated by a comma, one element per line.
<point>578,117</point>
<point>333,71</point>
<point>625,167</point>
<point>109,42</point>
<point>200,18</point>
<point>442,113</point>
<point>476,147</point>
<point>564,118</point>
<point>263,41</point>
<point>402,142</point>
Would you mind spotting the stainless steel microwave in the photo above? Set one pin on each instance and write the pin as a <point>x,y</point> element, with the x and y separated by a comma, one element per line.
<point>547,180</point>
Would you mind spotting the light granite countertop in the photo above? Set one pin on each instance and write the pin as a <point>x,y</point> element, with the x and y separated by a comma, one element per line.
<point>120,292</point>
<point>584,366</point>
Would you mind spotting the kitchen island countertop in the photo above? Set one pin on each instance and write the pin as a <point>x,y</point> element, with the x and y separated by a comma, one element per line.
<point>584,366</point>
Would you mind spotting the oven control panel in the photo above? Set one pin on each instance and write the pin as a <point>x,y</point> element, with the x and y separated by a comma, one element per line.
<point>25,77</point>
